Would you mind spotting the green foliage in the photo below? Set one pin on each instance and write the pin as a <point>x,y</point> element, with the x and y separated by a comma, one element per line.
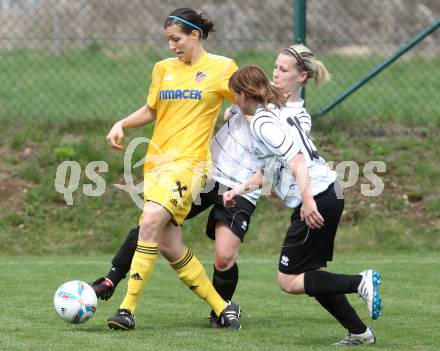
<point>17,141</point>
<point>11,159</point>
<point>12,219</point>
<point>98,225</point>
<point>65,152</point>
<point>31,173</point>
<point>435,205</point>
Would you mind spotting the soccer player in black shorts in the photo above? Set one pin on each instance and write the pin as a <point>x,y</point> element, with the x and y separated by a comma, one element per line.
<point>306,184</point>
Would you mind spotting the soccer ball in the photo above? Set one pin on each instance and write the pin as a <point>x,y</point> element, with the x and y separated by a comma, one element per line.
<point>75,301</point>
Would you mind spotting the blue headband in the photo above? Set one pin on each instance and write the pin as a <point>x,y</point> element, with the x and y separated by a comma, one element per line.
<point>188,23</point>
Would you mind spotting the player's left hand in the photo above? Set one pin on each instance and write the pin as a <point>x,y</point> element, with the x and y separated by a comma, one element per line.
<point>310,214</point>
<point>229,198</point>
<point>228,114</point>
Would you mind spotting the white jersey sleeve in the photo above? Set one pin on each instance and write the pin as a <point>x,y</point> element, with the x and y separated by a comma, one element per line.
<point>305,121</point>
<point>271,137</point>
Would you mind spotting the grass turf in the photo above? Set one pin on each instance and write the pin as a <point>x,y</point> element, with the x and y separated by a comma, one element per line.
<point>170,317</point>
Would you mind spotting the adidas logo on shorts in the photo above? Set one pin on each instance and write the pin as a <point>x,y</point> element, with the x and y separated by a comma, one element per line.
<point>284,260</point>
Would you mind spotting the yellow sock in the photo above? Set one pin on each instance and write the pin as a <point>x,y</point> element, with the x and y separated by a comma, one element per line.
<point>140,271</point>
<point>192,273</point>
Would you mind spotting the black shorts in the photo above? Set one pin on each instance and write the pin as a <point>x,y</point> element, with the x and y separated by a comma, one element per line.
<point>237,218</point>
<point>304,249</point>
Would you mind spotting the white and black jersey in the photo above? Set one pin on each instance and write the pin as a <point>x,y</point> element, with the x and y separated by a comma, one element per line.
<point>297,110</point>
<point>232,158</point>
<point>278,132</point>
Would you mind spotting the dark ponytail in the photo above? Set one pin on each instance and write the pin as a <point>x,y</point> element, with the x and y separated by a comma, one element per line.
<point>190,20</point>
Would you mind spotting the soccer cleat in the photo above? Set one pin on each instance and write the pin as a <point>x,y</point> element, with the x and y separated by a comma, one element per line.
<point>358,339</point>
<point>103,288</point>
<point>230,316</point>
<point>368,290</point>
<point>122,320</point>
<point>214,321</point>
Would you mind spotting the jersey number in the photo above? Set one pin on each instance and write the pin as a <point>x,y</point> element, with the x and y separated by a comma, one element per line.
<point>308,145</point>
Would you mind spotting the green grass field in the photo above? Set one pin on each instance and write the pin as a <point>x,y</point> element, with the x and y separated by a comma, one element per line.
<point>170,317</point>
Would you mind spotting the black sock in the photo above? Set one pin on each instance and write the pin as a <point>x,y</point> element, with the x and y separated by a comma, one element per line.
<point>122,261</point>
<point>225,282</point>
<point>324,283</point>
<point>339,307</point>
<point>115,275</point>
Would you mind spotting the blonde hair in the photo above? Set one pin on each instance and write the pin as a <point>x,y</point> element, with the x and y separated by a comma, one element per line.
<point>306,62</point>
<point>254,83</point>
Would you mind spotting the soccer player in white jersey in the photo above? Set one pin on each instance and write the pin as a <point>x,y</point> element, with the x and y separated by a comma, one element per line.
<point>308,186</point>
<point>233,163</point>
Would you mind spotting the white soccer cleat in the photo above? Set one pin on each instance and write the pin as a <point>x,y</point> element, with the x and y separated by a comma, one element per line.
<point>368,290</point>
<point>358,339</point>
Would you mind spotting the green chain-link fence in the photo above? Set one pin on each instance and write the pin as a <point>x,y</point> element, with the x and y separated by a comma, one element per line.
<point>79,59</point>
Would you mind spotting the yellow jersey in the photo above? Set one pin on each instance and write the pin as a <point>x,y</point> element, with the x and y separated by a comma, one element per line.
<point>187,100</point>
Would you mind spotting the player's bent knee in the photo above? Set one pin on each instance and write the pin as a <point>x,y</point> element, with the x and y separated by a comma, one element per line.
<point>288,284</point>
<point>225,259</point>
<point>223,263</point>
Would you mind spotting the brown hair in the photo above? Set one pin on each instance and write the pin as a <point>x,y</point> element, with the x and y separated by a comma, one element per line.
<point>253,82</point>
<point>306,62</point>
<point>187,17</point>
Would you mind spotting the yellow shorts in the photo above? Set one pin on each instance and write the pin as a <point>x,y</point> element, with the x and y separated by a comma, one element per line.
<point>174,187</point>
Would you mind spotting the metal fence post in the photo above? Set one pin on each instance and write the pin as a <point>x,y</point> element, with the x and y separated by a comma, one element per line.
<point>299,28</point>
<point>379,68</point>
<point>57,45</point>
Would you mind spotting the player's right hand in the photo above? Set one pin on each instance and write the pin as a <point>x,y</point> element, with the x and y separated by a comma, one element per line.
<point>116,136</point>
<point>229,198</point>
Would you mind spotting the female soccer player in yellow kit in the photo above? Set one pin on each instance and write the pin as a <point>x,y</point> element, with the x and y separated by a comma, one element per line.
<point>185,97</point>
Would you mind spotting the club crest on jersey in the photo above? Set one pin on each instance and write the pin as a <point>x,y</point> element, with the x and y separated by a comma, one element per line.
<point>200,76</point>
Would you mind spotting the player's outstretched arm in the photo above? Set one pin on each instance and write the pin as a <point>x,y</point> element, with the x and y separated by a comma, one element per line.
<point>253,183</point>
<point>139,118</point>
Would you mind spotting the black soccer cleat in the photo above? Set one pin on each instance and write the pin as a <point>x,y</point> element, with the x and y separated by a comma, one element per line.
<point>214,321</point>
<point>230,316</point>
<point>122,320</point>
<point>103,288</point>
